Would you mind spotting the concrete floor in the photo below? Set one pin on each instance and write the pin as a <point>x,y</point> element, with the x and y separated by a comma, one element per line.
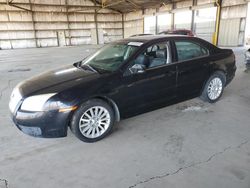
<point>191,144</point>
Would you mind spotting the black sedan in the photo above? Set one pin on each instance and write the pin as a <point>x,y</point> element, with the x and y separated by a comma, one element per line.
<point>122,79</point>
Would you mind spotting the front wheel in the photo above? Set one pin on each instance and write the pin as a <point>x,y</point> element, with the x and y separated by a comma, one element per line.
<point>92,121</point>
<point>214,87</point>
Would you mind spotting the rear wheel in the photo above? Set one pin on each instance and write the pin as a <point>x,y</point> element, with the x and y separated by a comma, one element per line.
<point>92,121</point>
<point>214,87</point>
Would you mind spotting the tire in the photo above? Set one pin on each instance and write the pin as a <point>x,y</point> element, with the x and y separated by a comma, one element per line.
<point>92,121</point>
<point>210,95</point>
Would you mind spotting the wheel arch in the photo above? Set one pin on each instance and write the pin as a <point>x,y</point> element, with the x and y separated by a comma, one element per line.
<point>218,67</point>
<point>112,104</point>
<point>219,70</point>
<point>210,74</point>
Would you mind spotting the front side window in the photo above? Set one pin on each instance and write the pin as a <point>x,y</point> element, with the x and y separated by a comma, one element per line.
<point>154,56</point>
<point>110,57</point>
<point>188,50</point>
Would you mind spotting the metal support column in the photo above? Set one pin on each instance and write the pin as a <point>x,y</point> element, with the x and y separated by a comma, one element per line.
<point>143,21</point>
<point>156,21</point>
<point>33,23</point>
<point>172,16</point>
<point>123,29</point>
<point>96,23</point>
<point>67,14</point>
<point>193,16</point>
<point>11,46</point>
<point>96,27</point>
<point>217,26</point>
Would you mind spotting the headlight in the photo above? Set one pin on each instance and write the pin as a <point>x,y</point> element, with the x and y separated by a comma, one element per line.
<point>36,102</point>
<point>15,98</point>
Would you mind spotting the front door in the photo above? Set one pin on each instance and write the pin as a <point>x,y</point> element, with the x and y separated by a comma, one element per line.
<point>153,86</point>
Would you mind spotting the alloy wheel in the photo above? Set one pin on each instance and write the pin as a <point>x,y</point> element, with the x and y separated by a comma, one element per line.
<point>214,89</point>
<point>94,122</point>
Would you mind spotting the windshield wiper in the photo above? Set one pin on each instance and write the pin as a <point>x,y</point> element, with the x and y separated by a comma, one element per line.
<point>87,67</point>
<point>91,68</point>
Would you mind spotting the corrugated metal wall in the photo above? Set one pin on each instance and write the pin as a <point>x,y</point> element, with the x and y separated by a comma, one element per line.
<point>56,23</point>
<point>182,20</point>
<point>67,22</point>
<point>229,32</point>
<point>230,29</point>
<point>133,23</point>
<point>204,23</point>
<point>233,21</point>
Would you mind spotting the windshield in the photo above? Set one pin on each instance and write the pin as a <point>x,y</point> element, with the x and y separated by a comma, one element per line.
<point>110,57</point>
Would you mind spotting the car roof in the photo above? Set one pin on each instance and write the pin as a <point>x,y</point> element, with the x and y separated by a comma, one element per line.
<point>147,38</point>
<point>181,30</point>
<point>156,38</point>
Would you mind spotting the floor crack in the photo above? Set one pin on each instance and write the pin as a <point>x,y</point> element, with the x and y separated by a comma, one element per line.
<point>189,166</point>
<point>5,182</point>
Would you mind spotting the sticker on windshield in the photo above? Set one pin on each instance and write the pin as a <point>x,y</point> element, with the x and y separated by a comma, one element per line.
<point>135,43</point>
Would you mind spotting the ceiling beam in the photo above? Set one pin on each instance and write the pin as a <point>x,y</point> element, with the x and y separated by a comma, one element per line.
<point>10,3</point>
<point>134,4</point>
<point>43,4</point>
<point>98,3</point>
<point>22,8</point>
<point>112,4</point>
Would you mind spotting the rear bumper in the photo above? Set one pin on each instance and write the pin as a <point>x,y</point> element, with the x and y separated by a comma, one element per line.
<point>231,75</point>
<point>47,124</point>
<point>248,63</point>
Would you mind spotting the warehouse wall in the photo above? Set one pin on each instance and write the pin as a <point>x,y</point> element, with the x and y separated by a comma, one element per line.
<point>179,16</point>
<point>56,23</point>
<point>233,22</point>
<point>232,27</point>
<point>133,23</point>
<point>67,22</point>
<point>109,26</point>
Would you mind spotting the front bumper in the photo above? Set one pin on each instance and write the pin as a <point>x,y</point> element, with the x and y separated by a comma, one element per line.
<point>47,124</point>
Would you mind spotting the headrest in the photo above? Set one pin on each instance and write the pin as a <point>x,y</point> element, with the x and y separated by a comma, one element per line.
<point>161,54</point>
<point>142,60</point>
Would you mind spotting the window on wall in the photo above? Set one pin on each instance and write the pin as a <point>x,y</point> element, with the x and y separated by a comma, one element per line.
<point>149,24</point>
<point>247,32</point>
<point>164,22</point>
<point>205,23</point>
<point>182,20</point>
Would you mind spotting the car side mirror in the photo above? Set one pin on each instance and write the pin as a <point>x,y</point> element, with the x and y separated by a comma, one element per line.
<point>137,69</point>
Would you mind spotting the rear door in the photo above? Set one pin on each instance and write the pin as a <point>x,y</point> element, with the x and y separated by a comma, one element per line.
<point>192,66</point>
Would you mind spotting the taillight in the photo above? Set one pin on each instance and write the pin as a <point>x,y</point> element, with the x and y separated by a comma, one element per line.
<point>234,56</point>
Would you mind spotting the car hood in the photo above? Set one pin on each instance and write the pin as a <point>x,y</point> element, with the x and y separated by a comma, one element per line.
<point>56,80</point>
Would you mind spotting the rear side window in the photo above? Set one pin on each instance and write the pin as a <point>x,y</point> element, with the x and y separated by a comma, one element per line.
<point>188,50</point>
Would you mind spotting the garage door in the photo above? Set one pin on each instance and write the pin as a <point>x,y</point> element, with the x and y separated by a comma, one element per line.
<point>229,32</point>
<point>205,23</point>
